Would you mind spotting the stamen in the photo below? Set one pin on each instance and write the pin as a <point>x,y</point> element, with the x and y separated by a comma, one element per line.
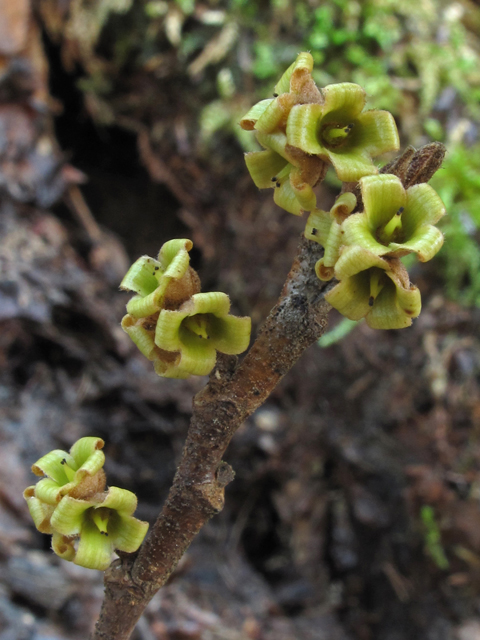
<point>100,518</point>
<point>70,473</point>
<point>274,179</point>
<point>377,282</point>
<point>314,232</point>
<point>197,325</point>
<point>371,300</point>
<point>278,184</point>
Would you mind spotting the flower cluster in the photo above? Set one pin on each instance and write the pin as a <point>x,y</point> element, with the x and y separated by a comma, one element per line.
<point>303,130</point>
<point>87,521</point>
<point>362,250</point>
<point>174,325</point>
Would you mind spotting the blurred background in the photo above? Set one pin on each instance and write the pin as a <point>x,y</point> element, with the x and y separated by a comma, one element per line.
<point>354,514</point>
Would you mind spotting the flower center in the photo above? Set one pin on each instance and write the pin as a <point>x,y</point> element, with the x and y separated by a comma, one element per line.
<point>197,325</point>
<point>100,518</point>
<point>335,134</point>
<point>392,230</point>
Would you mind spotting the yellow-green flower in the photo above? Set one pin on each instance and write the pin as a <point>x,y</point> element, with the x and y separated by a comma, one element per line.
<point>325,227</point>
<point>165,282</point>
<point>78,474</point>
<point>339,132</point>
<point>87,532</point>
<point>396,221</point>
<point>191,335</point>
<point>375,288</point>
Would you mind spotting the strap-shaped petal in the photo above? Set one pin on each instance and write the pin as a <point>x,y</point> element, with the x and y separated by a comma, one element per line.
<point>141,277</point>
<point>167,330</point>
<point>275,115</point>
<point>303,191</point>
<point>40,512</point>
<point>285,197</point>
<point>143,339</point>
<point>125,532</point>
<point>357,231</point>
<point>355,259</point>
<point>249,119</point>
<point>94,548</point>
<point>394,307</point>
<point>69,515</point>
<point>425,242</point>
<point>350,296</point>
<point>51,465</point>
<point>214,302</point>
<point>63,546</point>
<point>424,206</point>
<point>350,164</point>
<point>343,102</point>
<point>343,207</point>
<point>332,247</point>
<point>49,491</point>
<point>231,334</point>
<point>318,226</point>
<point>198,355</point>
<point>263,166</point>
<point>120,500</point>
<point>302,128</point>
<point>376,132</point>
<point>86,448</point>
<point>383,196</point>
<point>304,61</point>
<point>142,307</point>
<point>174,258</point>
<point>277,142</point>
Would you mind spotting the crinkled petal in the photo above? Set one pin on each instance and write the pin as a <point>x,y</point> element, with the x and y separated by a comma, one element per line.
<point>351,164</point>
<point>174,258</point>
<point>249,119</point>
<point>69,515</point>
<point>40,512</point>
<point>285,197</point>
<point>125,532</point>
<point>277,142</point>
<point>143,339</point>
<point>302,128</point>
<point>198,355</point>
<point>231,334</point>
<point>303,191</point>
<point>63,546</point>
<point>350,296</point>
<point>94,548</point>
<point>318,226</point>
<point>394,307</point>
<point>383,196</point>
<point>424,206</point>
<point>167,330</point>
<point>376,132</point>
<point>304,61</point>
<point>214,302</point>
<point>343,102</point>
<point>51,465</point>
<point>141,277</point>
<point>264,166</point>
<point>119,500</point>
<point>170,370</point>
<point>275,115</point>
<point>85,449</point>
<point>332,247</point>
<point>49,491</point>
<point>425,242</point>
<point>343,207</point>
<point>143,307</point>
<point>354,259</point>
<point>357,231</point>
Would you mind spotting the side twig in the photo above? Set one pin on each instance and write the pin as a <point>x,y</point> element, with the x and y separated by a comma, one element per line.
<point>232,394</point>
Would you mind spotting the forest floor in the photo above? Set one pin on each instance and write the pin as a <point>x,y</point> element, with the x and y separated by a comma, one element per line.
<point>354,513</point>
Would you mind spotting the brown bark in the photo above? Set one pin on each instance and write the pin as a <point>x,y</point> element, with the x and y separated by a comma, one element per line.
<point>232,394</point>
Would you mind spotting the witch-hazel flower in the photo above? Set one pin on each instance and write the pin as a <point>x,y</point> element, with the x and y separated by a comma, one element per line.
<point>87,532</point>
<point>375,288</point>
<point>396,221</point>
<point>338,131</point>
<point>189,337</point>
<point>78,474</point>
<point>165,282</point>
